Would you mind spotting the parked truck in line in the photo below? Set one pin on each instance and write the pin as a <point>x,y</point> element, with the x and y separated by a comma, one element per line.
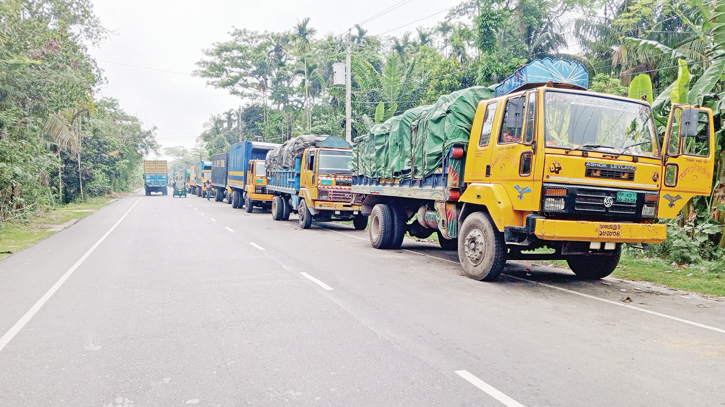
<point>310,176</point>
<point>155,176</point>
<point>219,174</point>
<point>240,154</point>
<point>200,173</point>
<point>542,163</point>
<point>255,192</point>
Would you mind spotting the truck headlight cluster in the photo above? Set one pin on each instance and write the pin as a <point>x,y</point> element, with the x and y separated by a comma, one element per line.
<point>649,209</point>
<point>554,204</point>
<point>323,195</point>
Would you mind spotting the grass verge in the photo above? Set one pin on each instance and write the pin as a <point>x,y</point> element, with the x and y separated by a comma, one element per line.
<point>15,236</point>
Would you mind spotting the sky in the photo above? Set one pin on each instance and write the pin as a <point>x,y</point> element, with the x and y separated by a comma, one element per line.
<point>149,57</point>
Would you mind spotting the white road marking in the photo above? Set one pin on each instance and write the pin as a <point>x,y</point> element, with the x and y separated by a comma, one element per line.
<point>201,213</point>
<point>490,390</point>
<point>196,209</point>
<point>257,246</point>
<point>15,329</point>
<point>632,307</point>
<point>228,229</point>
<point>212,219</point>
<point>316,281</point>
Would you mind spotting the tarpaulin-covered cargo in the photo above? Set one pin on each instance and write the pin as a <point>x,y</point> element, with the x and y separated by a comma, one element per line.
<point>448,122</point>
<point>284,155</point>
<point>400,147</point>
<point>380,133</point>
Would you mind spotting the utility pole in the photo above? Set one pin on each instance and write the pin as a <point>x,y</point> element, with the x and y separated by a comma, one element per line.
<point>348,90</point>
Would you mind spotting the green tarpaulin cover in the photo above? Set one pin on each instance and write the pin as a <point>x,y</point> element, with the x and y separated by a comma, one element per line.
<point>413,144</point>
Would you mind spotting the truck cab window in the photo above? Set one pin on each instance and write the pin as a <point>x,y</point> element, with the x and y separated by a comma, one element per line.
<point>530,118</point>
<point>310,164</point>
<point>487,124</point>
<point>513,121</point>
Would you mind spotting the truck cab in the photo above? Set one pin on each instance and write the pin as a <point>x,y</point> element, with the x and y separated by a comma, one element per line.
<point>255,191</point>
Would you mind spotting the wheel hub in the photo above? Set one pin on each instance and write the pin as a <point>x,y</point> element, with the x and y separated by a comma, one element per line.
<point>475,247</point>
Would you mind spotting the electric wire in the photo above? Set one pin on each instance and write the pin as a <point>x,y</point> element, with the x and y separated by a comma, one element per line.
<point>424,18</point>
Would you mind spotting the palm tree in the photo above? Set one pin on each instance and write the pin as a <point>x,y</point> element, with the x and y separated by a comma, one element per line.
<point>359,38</point>
<point>445,29</point>
<point>424,36</point>
<point>64,127</point>
<point>302,35</point>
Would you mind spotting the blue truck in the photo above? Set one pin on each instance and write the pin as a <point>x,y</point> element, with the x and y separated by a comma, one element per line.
<point>239,156</point>
<point>155,176</point>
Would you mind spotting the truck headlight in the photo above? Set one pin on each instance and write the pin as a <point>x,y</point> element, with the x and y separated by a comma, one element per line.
<point>649,211</point>
<point>554,204</point>
<point>323,195</point>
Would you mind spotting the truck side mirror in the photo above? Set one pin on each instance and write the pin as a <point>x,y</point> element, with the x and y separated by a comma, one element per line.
<point>515,113</point>
<point>690,117</point>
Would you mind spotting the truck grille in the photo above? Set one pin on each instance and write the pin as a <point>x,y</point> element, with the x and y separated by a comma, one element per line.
<point>593,200</point>
<point>340,196</point>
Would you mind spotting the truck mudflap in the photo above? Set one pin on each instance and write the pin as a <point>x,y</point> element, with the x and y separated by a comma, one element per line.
<point>574,230</point>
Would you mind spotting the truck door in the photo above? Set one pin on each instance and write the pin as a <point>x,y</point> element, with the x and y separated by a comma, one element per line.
<point>513,154</point>
<point>688,158</point>
<point>478,161</point>
<point>308,169</point>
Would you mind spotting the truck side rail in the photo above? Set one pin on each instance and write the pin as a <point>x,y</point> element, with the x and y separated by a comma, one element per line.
<point>285,181</point>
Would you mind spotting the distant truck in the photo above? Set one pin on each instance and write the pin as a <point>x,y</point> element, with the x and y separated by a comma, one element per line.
<point>310,176</point>
<point>255,192</point>
<point>540,163</point>
<point>240,154</point>
<point>200,174</point>
<point>155,176</point>
<point>219,175</point>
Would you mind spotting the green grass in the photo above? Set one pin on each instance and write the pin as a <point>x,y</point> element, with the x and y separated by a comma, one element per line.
<point>15,236</point>
<point>706,278</point>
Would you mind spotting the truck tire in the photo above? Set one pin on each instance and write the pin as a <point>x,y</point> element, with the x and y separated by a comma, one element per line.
<point>481,247</point>
<point>595,267</point>
<point>228,196</point>
<point>305,217</point>
<point>235,199</point>
<point>249,204</point>
<point>399,221</point>
<point>285,209</point>
<point>381,227</point>
<point>447,244</point>
<point>277,208</point>
<point>147,191</point>
<point>360,222</point>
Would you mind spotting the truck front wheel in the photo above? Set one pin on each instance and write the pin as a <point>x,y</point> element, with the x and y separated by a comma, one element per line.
<point>305,217</point>
<point>249,204</point>
<point>481,247</point>
<point>595,267</point>
<point>381,227</point>
<point>360,222</point>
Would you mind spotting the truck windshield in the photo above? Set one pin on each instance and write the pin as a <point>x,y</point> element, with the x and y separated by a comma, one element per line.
<point>260,170</point>
<point>588,122</point>
<point>334,162</point>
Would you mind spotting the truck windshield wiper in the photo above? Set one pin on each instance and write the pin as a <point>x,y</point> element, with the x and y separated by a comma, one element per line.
<point>630,146</point>
<point>584,147</point>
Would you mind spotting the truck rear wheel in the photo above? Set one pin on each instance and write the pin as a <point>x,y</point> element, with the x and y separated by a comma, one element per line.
<point>235,199</point>
<point>360,222</point>
<point>249,204</point>
<point>305,217</point>
<point>447,244</point>
<point>595,267</point>
<point>399,221</point>
<point>381,226</point>
<point>277,208</point>
<point>285,208</point>
<point>481,247</point>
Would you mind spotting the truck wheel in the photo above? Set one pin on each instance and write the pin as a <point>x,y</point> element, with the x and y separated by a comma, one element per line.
<point>360,222</point>
<point>481,247</point>
<point>381,226</point>
<point>447,244</point>
<point>399,221</point>
<point>235,199</point>
<point>285,208</point>
<point>229,197</point>
<point>595,267</point>
<point>249,204</point>
<point>305,217</point>
<point>277,207</point>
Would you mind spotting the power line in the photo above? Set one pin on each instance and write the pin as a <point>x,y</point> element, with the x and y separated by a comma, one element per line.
<point>424,18</point>
<point>389,9</point>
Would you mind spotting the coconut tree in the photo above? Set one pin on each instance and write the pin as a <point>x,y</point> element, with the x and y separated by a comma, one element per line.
<point>302,35</point>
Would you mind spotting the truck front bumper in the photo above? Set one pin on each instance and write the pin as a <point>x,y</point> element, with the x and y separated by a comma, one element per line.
<point>335,206</point>
<point>587,231</point>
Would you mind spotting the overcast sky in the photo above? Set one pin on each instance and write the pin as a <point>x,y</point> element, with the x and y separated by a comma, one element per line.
<point>168,37</point>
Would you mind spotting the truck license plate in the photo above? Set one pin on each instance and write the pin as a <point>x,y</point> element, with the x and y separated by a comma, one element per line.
<point>626,196</point>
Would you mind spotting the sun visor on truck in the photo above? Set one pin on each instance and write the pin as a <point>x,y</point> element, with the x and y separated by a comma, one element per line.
<point>542,71</point>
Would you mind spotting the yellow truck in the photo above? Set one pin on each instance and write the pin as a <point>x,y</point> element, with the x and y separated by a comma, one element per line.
<point>310,175</point>
<point>255,192</point>
<point>544,164</point>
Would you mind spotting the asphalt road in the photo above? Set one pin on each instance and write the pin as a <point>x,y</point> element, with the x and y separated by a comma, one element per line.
<point>188,301</point>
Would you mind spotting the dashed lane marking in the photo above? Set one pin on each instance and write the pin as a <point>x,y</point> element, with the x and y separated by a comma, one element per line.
<point>316,281</point>
<point>488,389</point>
<point>257,246</point>
<point>212,219</point>
<point>10,334</point>
<point>229,229</point>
